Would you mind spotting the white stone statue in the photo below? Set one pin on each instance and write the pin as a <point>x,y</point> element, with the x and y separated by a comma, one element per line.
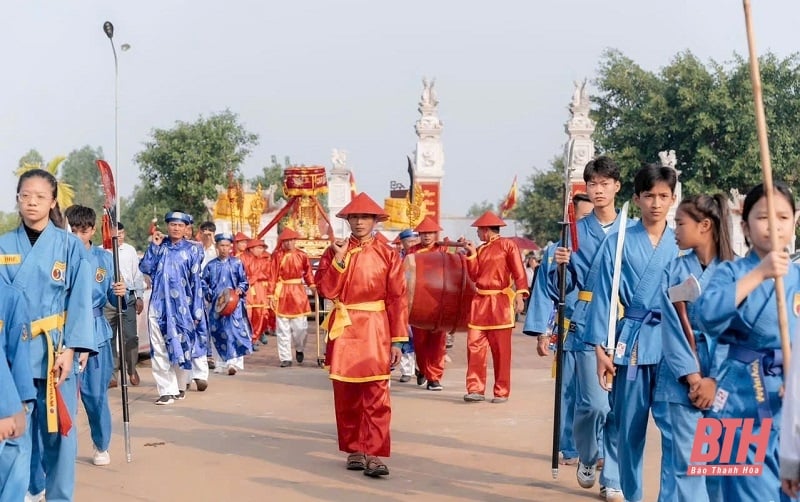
<point>580,98</point>
<point>428,93</point>
<point>667,158</point>
<point>339,159</point>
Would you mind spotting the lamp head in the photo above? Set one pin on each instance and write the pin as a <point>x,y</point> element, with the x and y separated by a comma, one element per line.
<point>108,28</point>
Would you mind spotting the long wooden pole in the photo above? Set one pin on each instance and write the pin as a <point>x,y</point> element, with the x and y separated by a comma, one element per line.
<point>766,174</point>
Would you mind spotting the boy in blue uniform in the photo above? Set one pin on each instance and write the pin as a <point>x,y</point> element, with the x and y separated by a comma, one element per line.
<point>648,247</point>
<point>18,394</point>
<point>592,418</point>
<point>52,268</point>
<point>739,308</point>
<point>96,369</point>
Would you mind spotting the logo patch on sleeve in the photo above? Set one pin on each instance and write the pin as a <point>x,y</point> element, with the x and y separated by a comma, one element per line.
<point>100,274</point>
<point>59,270</point>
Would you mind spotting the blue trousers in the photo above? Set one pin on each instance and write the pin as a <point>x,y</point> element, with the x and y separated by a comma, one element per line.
<point>594,418</point>
<point>566,441</point>
<point>683,421</point>
<point>53,456</point>
<point>633,402</point>
<point>15,462</point>
<point>94,394</point>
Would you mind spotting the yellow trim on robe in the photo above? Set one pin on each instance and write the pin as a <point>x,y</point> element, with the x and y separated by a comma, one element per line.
<point>374,378</point>
<point>585,296</point>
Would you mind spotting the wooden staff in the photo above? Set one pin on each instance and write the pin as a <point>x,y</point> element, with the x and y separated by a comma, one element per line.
<point>766,174</point>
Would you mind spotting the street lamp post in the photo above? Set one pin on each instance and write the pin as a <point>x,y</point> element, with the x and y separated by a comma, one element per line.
<point>108,28</point>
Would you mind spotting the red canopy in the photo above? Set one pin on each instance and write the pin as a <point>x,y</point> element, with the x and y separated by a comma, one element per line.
<point>523,243</point>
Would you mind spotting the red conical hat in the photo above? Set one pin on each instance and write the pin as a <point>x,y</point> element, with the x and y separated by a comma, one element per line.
<point>428,225</point>
<point>240,236</point>
<point>488,219</point>
<point>288,234</point>
<point>255,243</point>
<point>362,204</point>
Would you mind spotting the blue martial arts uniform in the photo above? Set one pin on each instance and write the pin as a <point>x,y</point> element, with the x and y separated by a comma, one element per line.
<point>100,366</point>
<point>56,278</point>
<point>594,426</point>
<point>677,361</point>
<point>537,319</point>
<point>754,361</point>
<point>16,380</point>
<point>638,348</point>
<point>230,334</point>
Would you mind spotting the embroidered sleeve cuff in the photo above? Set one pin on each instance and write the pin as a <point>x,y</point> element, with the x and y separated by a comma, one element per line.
<point>523,292</point>
<point>339,265</point>
<point>399,339</point>
<point>472,256</point>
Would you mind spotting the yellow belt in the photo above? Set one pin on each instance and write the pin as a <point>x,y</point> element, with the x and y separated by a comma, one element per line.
<point>42,327</point>
<point>281,282</point>
<point>342,318</point>
<point>509,292</point>
<point>585,296</point>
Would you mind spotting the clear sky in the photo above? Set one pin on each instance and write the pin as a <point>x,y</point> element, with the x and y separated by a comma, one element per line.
<point>312,75</point>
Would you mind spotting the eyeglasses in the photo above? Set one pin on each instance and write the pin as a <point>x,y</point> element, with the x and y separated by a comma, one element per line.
<point>38,197</point>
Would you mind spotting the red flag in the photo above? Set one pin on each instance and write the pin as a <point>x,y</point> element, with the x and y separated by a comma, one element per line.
<point>109,205</point>
<point>510,201</point>
<point>353,191</point>
<point>64,421</point>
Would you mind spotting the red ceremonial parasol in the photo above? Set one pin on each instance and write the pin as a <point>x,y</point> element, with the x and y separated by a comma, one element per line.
<point>523,243</point>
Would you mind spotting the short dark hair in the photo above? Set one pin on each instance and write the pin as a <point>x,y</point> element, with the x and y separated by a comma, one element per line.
<point>602,166</point>
<point>208,225</point>
<point>80,217</point>
<point>580,197</point>
<point>651,174</point>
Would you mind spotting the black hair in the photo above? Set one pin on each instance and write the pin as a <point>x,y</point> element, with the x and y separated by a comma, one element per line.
<point>715,208</point>
<point>80,217</point>
<point>208,225</point>
<point>602,166</point>
<point>649,175</point>
<point>580,197</point>
<point>757,192</point>
<point>55,212</point>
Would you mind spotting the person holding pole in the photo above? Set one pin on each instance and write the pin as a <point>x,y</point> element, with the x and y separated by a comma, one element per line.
<point>95,370</point>
<point>53,270</point>
<point>739,308</point>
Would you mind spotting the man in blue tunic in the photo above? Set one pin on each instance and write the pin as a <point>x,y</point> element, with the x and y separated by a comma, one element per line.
<point>175,315</point>
<point>230,334</point>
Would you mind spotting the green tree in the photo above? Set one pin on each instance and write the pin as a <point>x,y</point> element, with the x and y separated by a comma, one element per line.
<point>540,204</point>
<point>80,171</point>
<point>478,208</point>
<point>704,113</point>
<point>32,157</point>
<point>272,175</point>
<point>185,164</point>
<point>137,211</point>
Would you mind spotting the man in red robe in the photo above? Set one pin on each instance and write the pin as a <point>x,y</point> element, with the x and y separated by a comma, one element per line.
<point>288,298</point>
<point>366,328</point>
<point>429,345</point>
<point>240,241</point>
<point>496,268</point>
<point>258,267</point>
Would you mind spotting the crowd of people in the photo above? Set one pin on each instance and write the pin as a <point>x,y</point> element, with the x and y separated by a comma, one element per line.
<point>216,299</point>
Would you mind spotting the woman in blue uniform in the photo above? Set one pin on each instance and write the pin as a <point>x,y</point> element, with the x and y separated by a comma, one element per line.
<point>685,378</point>
<point>739,308</point>
<point>52,268</point>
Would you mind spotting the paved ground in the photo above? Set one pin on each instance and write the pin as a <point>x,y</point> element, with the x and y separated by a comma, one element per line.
<point>269,434</point>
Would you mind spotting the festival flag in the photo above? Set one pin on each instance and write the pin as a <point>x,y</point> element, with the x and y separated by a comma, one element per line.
<point>510,201</point>
<point>353,191</point>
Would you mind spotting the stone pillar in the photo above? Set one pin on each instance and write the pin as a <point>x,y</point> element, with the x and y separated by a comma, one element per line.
<point>338,192</point>
<point>429,154</point>
<point>579,148</point>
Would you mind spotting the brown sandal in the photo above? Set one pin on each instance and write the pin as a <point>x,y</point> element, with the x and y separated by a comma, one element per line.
<point>356,462</point>
<point>375,468</point>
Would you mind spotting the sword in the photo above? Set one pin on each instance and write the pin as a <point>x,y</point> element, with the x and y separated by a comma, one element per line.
<point>611,340</point>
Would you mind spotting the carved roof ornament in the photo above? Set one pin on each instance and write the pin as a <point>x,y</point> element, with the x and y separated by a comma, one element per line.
<point>667,158</point>
<point>339,159</point>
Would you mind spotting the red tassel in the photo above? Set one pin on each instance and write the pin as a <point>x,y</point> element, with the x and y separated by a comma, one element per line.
<point>64,420</point>
<point>573,227</point>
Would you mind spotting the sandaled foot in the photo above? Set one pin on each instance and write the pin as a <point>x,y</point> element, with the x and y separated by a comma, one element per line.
<point>356,462</point>
<point>375,468</point>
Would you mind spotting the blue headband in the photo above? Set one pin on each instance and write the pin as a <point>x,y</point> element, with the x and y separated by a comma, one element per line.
<point>223,237</point>
<point>179,216</point>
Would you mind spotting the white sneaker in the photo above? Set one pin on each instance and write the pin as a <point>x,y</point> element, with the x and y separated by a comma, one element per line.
<point>101,457</point>
<point>612,494</point>
<point>586,475</point>
<point>39,497</point>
